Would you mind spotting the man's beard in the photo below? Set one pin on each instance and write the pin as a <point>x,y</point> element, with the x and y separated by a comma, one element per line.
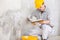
<point>41,11</point>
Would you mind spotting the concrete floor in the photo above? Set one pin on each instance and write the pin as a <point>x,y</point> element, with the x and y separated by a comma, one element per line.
<point>54,38</point>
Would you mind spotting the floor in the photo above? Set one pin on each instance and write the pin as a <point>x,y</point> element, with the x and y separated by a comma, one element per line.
<point>54,38</point>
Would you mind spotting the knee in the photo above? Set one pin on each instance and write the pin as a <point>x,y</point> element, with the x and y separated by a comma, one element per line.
<point>45,26</point>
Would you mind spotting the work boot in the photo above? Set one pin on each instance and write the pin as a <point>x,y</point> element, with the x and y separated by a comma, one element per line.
<point>42,38</point>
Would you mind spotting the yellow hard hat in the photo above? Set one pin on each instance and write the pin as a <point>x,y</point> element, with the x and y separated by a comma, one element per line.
<point>38,3</point>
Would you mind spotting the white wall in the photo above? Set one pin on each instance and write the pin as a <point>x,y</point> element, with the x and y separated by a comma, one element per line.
<point>59,16</point>
<point>6,5</point>
<point>9,5</point>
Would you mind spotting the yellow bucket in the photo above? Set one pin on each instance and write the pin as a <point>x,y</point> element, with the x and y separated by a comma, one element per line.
<point>29,38</point>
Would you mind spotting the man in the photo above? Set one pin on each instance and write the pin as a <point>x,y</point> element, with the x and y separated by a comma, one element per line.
<point>42,16</point>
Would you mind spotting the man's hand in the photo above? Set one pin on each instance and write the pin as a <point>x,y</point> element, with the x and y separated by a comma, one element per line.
<point>33,23</point>
<point>44,22</point>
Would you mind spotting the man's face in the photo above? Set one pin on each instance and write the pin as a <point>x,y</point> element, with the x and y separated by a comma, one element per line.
<point>42,8</point>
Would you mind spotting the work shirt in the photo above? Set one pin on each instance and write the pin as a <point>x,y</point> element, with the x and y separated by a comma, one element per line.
<point>39,15</point>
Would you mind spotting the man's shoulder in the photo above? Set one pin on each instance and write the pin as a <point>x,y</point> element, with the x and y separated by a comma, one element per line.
<point>35,12</point>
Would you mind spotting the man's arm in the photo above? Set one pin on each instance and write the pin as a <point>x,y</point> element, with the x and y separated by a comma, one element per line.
<point>46,22</point>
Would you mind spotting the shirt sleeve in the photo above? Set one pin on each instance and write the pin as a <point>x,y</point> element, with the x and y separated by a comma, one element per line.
<point>48,14</point>
<point>32,16</point>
